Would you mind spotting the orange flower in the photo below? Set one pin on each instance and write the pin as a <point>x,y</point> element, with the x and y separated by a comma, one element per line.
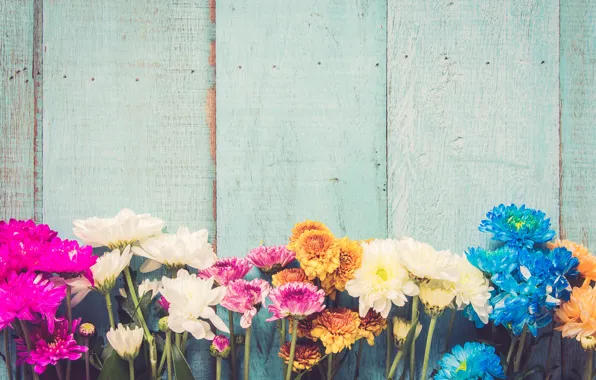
<point>305,327</point>
<point>577,317</point>
<point>302,227</point>
<point>317,253</point>
<point>371,326</point>
<point>336,329</point>
<point>587,262</point>
<point>350,259</point>
<point>289,275</point>
<point>306,355</point>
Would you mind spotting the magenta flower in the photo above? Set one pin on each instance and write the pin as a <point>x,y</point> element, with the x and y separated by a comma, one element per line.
<point>295,299</point>
<point>244,297</point>
<point>68,259</point>
<point>29,296</point>
<point>220,346</point>
<point>163,302</point>
<point>25,230</point>
<point>226,270</point>
<point>271,259</point>
<point>50,347</point>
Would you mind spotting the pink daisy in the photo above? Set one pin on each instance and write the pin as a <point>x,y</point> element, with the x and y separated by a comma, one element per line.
<point>50,347</point>
<point>244,296</point>
<point>295,299</point>
<point>271,259</point>
<point>226,270</point>
<point>24,230</point>
<point>68,259</point>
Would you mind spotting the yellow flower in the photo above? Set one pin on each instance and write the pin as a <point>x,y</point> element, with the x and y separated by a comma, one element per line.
<point>306,355</point>
<point>588,343</point>
<point>436,295</point>
<point>336,329</point>
<point>302,227</point>
<point>289,275</point>
<point>317,253</point>
<point>371,326</point>
<point>587,261</point>
<point>401,327</point>
<point>350,259</point>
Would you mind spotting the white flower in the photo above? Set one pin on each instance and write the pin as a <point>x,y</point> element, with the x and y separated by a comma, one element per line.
<point>175,251</point>
<point>108,267</point>
<point>401,327</point>
<point>125,341</point>
<point>382,279</point>
<point>423,261</point>
<point>149,286</point>
<point>123,229</point>
<point>191,298</point>
<point>436,295</point>
<point>472,288</point>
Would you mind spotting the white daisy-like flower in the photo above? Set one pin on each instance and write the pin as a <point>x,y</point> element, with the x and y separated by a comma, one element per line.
<point>149,286</point>
<point>177,250</point>
<point>472,288</point>
<point>425,262</point>
<point>436,295</point>
<point>191,298</point>
<point>382,279</point>
<point>126,341</point>
<point>125,228</point>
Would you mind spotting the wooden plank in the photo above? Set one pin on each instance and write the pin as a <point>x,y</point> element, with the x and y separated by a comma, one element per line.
<point>472,119</point>
<point>301,129</point>
<point>125,119</point>
<point>578,140</point>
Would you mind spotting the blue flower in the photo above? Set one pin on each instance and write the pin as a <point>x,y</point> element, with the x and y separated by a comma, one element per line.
<point>518,226</point>
<point>473,361</point>
<point>503,259</point>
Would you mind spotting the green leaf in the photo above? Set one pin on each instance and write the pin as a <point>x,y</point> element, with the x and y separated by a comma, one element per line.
<point>181,367</point>
<point>114,368</point>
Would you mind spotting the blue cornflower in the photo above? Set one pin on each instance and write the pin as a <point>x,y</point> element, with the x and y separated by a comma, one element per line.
<point>518,226</point>
<point>473,361</point>
<point>501,260</point>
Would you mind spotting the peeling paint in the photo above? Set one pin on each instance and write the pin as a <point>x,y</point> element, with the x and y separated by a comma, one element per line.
<point>212,11</point>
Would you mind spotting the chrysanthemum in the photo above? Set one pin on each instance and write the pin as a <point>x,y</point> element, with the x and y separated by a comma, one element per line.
<point>317,253</point>
<point>289,275</point>
<point>424,262</point>
<point>336,329</point>
<point>246,297</point>
<point>436,295</point>
<point>587,261</point>
<point>147,285</point>
<point>271,259</point>
<point>521,226</point>
<point>350,259</point>
<point>67,258</point>
<point>302,227</point>
<point>295,299</point>
<point>220,346</point>
<point>501,260</point>
<point>126,341</point>
<point>382,279</point>
<point>401,328</point>
<point>371,326</point>
<point>552,269</point>
<point>25,230</point>
<point>305,327</point>
<point>126,228</point>
<point>472,288</point>
<point>577,317</point>
<point>18,256</point>
<point>473,361</point>
<point>177,250</point>
<point>51,347</point>
<point>306,356</point>
<point>227,270</point>
<point>108,267</point>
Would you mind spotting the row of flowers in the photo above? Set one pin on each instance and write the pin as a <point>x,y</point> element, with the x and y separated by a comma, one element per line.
<point>525,283</point>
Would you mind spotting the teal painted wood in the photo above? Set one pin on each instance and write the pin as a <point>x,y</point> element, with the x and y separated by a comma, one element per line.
<point>472,120</point>
<point>301,130</point>
<point>126,117</point>
<point>578,140</point>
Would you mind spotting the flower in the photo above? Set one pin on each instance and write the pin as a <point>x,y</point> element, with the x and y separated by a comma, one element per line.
<point>126,228</point>
<point>424,262</point>
<point>227,269</point>
<point>108,267</point>
<point>577,317</point>
<point>304,327</point>
<point>163,302</point>
<point>67,258</point>
<point>436,295</point>
<point>149,286</point>
<point>306,355</point>
<point>18,256</point>
<point>126,341</point>
<point>501,260</point>
<point>177,250</point>
<point>520,226</point>
<point>473,289</point>
<point>317,253</point>
<point>86,330</point>
<point>271,259</point>
<point>301,228</point>
<point>371,326</point>
<point>588,343</point>
<point>551,269</point>
<point>350,259</point>
<point>289,275</point>
<point>296,300</point>
<point>401,328</point>
<point>220,346</point>
<point>51,347</point>
<point>336,329</point>
<point>382,279</point>
<point>473,361</point>
<point>245,297</point>
<point>191,298</point>
<point>587,261</point>
<point>25,230</point>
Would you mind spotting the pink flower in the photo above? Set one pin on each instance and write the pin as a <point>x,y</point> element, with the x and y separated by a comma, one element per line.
<point>295,299</point>
<point>271,259</point>
<point>244,297</point>
<point>50,347</point>
<point>24,230</point>
<point>23,296</point>
<point>163,302</point>
<point>226,270</point>
<point>68,259</point>
<point>220,346</point>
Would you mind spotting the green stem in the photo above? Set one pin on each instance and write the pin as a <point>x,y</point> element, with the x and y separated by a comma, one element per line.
<point>329,367</point>
<point>589,365</point>
<point>109,307</point>
<point>247,352</point>
<point>131,369</point>
<point>520,350</point>
<point>358,358</point>
<point>549,352</point>
<point>389,344</point>
<point>218,368</point>
<point>87,364</point>
<point>58,368</point>
<point>293,349</point>
<point>282,339</point>
<point>168,353</point>
<point>25,330</point>
<point>162,362</point>
<point>415,302</point>
<point>179,341</point>
<point>7,354</point>
<point>450,329</point>
<point>232,344</point>
<point>184,341</point>
<point>510,353</point>
<point>396,360</point>
<point>69,317</point>
<point>429,340</point>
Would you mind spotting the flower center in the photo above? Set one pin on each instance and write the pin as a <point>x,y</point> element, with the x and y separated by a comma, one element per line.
<point>382,273</point>
<point>462,366</point>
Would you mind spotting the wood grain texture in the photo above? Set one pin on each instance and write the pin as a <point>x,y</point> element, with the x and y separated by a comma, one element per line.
<point>125,116</point>
<point>472,119</point>
<point>301,128</point>
<point>578,137</point>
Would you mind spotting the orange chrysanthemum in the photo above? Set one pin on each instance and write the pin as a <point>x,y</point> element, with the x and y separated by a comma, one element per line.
<point>336,329</point>
<point>317,253</point>
<point>587,261</point>
<point>306,355</point>
<point>371,326</point>
<point>289,275</point>
<point>577,317</point>
<point>302,227</point>
<point>305,327</point>
<point>350,259</point>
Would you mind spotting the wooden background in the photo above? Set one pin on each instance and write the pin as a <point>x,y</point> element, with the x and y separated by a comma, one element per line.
<point>379,118</point>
